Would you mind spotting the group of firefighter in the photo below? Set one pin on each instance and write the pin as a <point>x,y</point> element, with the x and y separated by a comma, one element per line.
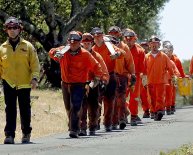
<point>104,70</point>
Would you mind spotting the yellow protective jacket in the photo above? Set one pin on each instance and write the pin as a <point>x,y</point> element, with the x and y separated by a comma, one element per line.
<point>19,67</point>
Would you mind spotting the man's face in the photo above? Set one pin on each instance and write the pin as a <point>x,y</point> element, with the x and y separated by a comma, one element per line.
<point>87,45</point>
<point>146,47</point>
<point>98,37</point>
<point>154,46</point>
<point>74,45</point>
<point>13,31</point>
<point>130,40</point>
<point>168,53</point>
<point>115,34</point>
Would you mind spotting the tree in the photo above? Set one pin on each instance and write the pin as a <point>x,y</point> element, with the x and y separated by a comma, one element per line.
<point>49,22</point>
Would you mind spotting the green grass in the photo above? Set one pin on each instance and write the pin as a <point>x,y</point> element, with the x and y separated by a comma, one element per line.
<point>183,150</point>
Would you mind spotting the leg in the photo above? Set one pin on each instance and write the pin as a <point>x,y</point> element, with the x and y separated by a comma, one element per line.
<point>10,110</point>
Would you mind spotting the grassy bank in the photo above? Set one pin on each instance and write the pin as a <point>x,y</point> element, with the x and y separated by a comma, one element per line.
<point>184,150</point>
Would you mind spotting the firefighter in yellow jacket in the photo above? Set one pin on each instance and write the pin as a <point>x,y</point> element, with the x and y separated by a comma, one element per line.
<point>19,72</point>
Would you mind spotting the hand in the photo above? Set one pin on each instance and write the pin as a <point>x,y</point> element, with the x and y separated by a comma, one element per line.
<point>132,80</point>
<point>144,80</point>
<point>58,54</point>
<point>87,89</point>
<point>174,80</point>
<point>115,56</point>
<point>34,83</point>
<point>102,87</point>
<point>132,88</point>
<point>94,83</point>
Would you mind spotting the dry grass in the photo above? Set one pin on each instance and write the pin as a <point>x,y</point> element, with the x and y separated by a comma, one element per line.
<point>48,114</point>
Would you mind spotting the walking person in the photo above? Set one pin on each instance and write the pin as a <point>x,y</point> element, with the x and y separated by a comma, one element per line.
<point>90,104</point>
<point>75,66</point>
<point>125,71</point>
<point>157,64</point>
<point>172,56</point>
<point>109,59</point>
<point>138,54</point>
<point>19,71</point>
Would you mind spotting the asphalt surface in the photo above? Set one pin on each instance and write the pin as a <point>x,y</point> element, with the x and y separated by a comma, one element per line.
<point>147,139</point>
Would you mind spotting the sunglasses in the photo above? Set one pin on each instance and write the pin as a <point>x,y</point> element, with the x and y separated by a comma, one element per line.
<point>14,28</point>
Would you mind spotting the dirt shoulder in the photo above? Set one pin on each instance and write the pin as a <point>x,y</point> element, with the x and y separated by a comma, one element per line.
<point>48,114</point>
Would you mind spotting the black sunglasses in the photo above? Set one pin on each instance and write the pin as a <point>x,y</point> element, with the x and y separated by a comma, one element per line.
<point>14,28</point>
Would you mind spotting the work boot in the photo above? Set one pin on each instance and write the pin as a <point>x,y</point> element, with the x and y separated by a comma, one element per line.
<point>122,125</point>
<point>152,115</point>
<point>114,127</point>
<point>82,133</point>
<point>108,128</point>
<point>146,114</point>
<point>173,109</point>
<point>73,134</point>
<point>92,132</point>
<point>9,140</point>
<point>133,121</point>
<point>158,116</point>
<point>168,112</point>
<point>138,120</point>
<point>25,138</point>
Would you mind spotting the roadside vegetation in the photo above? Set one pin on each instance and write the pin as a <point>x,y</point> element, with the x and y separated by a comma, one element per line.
<point>183,150</point>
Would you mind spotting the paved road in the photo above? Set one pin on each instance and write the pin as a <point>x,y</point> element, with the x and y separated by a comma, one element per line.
<point>148,139</point>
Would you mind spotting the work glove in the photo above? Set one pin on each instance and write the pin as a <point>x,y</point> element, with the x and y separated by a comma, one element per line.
<point>87,88</point>
<point>115,56</point>
<point>58,54</point>
<point>94,82</point>
<point>132,83</point>
<point>174,80</point>
<point>102,87</point>
<point>144,80</point>
<point>132,80</point>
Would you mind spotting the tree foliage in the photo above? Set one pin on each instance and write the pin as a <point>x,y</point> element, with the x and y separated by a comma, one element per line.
<point>49,21</point>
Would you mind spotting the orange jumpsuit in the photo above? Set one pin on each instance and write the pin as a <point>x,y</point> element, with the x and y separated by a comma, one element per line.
<point>179,66</point>
<point>123,68</point>
<point>91,102</point>
<point>109,95</point>
<point>170,87</point>
<point>191,66</point>
<point>156,68</point>
<point>138,56</point>
<point>144,99</point>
